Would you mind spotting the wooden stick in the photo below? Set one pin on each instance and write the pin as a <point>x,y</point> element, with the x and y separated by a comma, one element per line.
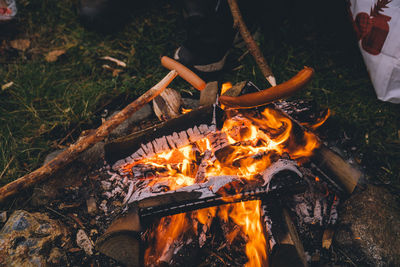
<point>72,152</point>
<point>251,44</point>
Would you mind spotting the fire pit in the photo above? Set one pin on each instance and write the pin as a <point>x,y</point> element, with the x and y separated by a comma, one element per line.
<point>221,187</point>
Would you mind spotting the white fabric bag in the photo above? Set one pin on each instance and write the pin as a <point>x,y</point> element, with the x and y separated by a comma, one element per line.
<point>377,25</point>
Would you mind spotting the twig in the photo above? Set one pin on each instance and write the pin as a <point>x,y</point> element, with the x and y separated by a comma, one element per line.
<point>251,44</point>
<point>73,151</point>
<point>5,168</point>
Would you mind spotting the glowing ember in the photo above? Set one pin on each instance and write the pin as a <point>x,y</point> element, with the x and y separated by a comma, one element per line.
<point>185,110</point>
<point>248,144</point>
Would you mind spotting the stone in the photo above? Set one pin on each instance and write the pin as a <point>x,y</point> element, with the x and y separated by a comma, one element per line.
<point>52,188</point>
<point>93,156</point>
<point>368,228</point>
<point>190,103</point>
<point>32,239</point>
<point>125,127</point>
<point>52,155</point>
<point>208,95</point>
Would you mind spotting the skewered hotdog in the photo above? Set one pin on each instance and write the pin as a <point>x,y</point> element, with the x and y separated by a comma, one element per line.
<point>299,81</point>
<point>184,72</point>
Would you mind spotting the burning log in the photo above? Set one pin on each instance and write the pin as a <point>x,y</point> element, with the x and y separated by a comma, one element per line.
<point>201,172</point>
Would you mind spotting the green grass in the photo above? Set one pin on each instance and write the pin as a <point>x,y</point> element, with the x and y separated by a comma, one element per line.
<point>51,103</point>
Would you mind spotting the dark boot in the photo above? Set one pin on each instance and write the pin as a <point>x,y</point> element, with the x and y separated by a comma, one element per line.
<point>210,34</point>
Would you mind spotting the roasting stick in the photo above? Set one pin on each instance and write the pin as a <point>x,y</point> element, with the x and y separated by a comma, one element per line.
<point>250,43</point>
<point>72,152</point>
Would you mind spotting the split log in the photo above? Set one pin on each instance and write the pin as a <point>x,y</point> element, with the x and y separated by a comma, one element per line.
<point>251,44</point>
<point>334,165</point>
<point>294,237</point>
<point>330,162</point>
<point>72,152</point>
<point>167,105</point>
<point>121,241</point>
<point>124,146</point>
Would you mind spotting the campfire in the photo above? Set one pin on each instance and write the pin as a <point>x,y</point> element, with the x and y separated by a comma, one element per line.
<point>218,185</point>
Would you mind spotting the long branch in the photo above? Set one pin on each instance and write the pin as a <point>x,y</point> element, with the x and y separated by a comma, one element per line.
<point>73,151</point>
<point>251,44</point>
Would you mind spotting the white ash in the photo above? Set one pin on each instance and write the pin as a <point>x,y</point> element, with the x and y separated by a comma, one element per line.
<point>333,216</point>
<point>312,207</point>
<point>84,242</point>
<point>106,185</point>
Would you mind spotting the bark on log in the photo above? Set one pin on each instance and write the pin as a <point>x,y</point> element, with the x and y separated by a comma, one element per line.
<point>251,44</point>
<point>121,240</point>
<point>334,165</point>
<point>72,152</point>
<point>294,237</point>
<point>166,106</point>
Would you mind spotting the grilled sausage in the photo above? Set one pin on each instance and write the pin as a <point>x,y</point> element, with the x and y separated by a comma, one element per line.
<point>299,81</point>
<point>184,72</point>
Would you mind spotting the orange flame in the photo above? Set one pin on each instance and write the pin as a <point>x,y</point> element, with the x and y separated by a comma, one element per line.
<point>254,142</point>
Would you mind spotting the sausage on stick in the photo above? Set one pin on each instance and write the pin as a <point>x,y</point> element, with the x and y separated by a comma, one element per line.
<point>299,81</point>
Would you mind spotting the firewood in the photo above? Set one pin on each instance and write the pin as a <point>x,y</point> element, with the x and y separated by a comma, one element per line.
<point>121,240</point>
<point>171,141</point>
<point>184,138</point>
<point>332,163</point>
<point>251,44</point>
<point>148,149</point>
<point>203,128</point>
<point>201,172</point>
<point>72,152</point>
<point>167,105</point>
<point>327,238</point>
<point>208,96</point>
<point>294,237</point>
<point>194,134</point>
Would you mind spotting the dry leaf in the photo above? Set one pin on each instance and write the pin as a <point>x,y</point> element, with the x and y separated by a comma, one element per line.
<point>6,86</point>
<point>53,55</point>
<point>20,44</point>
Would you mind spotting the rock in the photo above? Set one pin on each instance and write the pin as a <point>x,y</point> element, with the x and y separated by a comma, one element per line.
<point>71,175</point>
<point>93,156</point>
<point>368,228</point>
<point>190,103</point>
<point>52,155</point>
<point>29,239</point>
<point>125,127</point>
<point>208,95</point>
<point>236,89</point>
